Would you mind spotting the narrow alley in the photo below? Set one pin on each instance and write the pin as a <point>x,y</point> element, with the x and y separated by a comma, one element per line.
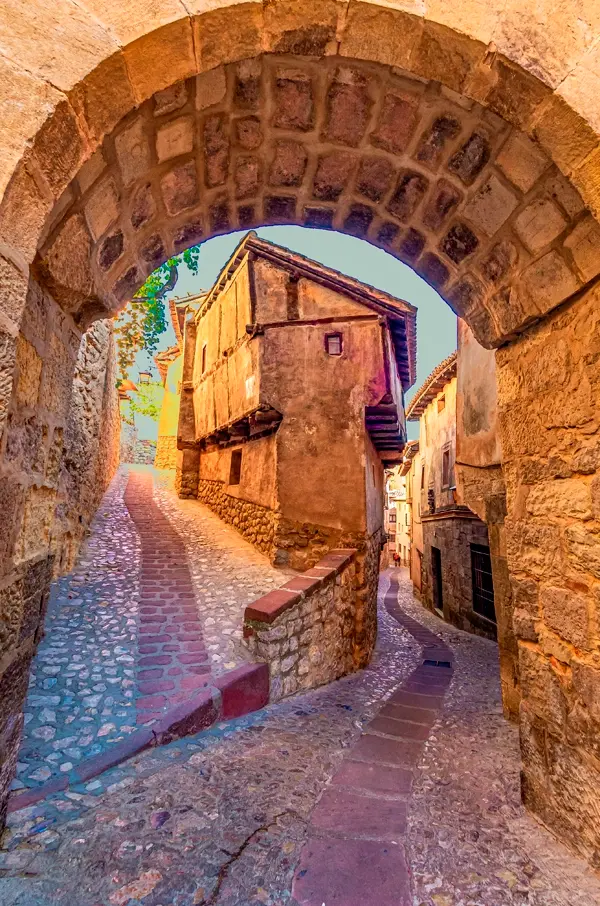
<point>255,810</point>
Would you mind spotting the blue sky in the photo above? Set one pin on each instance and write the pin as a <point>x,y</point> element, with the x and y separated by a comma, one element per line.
<point>436,323</point>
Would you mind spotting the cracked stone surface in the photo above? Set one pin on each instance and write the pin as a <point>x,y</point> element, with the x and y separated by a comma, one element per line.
<point>221,817</point>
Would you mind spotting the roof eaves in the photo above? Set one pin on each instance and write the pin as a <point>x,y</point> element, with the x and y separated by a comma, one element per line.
<point>439,377</point>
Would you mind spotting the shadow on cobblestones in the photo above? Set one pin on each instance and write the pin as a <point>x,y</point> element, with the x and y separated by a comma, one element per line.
<point>221,817</point>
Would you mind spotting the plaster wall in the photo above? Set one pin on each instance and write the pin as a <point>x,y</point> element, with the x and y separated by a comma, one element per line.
<point>437,433</point>
<point>477,437</point>
<point>166,442</point>
<point>258,472</point>
<point>323,458</point>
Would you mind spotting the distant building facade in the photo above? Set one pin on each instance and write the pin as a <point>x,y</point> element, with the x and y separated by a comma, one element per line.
<point>291,405</point>
<point>450,561</point>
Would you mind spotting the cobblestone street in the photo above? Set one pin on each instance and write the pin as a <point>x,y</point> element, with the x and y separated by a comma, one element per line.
<point>223,817</point>
<point>151,612</point>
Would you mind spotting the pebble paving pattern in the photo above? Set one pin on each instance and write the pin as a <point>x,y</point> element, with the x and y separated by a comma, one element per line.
<point>228,573</point>
<point>221,818</point>
<point>82,689</point>
<point>153,609</point>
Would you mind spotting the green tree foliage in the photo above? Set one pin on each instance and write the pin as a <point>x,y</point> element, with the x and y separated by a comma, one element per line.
<point>139,326</point>
<point>148,400</point>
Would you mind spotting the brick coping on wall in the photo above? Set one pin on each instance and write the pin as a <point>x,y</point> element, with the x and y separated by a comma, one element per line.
<point>233,694</point>
<point>274,603</point>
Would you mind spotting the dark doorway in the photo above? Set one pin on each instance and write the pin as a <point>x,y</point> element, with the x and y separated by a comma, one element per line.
<point>436,572</point>
<point>483,586</point>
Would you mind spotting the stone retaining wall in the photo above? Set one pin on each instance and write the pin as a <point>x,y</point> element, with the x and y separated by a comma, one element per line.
<point>256,523</point>
<point>306,630</point>
<point>166,452</point>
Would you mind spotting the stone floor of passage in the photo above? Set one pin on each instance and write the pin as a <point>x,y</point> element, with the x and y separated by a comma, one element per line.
<point>222,818</point>
<point>104,667</point>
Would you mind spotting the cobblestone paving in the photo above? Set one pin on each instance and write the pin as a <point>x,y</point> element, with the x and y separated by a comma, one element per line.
<point>82,691</point>
<point>220,819</point>
<point>227,572</point>
<point>107,662</point>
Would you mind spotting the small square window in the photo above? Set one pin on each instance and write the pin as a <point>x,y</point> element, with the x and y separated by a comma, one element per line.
<point>333,343</point>
<point>235,469</point>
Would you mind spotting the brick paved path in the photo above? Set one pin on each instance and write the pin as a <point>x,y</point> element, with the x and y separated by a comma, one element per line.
<point>357,831</point>
<point>223,818</point>
<point>172,659</point>
<point>126,632</point>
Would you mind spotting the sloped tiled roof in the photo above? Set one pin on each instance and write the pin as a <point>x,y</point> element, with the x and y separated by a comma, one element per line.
<point>436,382</point>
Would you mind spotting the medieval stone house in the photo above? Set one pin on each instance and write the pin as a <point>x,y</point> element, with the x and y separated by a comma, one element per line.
<point>451,565</point>
<point>292,401</point>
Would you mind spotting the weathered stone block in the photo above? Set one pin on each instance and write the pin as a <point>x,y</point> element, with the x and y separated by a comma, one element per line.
<point>247,176</point>
<point>358,220</point>
<point>491,207</point>
<point>433,270</point>
<point>143,206</point>
<point>153,251</point>
<point>293,99</point>
<point>434,141</point>
<point>102,207</point>
<point>288,164</point>
<point>468,162</point>
<point>179,188</point>
<point>584,245</point>
<point>548,281</point>
<point>569,497</point>
<point>332,175</point>
<point>443,201</point>
<point>539,224</point>
<point>499,261</point>
<point>175,138</point>
<point>541,687</point>
<point>210,88</point>
<point>348,107</point>
<point>133,152</point>
<point>11,610</point>
<point>246,92</point>
<point>248,132</point>
<point>459,242</point>
<point>216,149</point>
<point>374,177</point>
<point>396,122</point>
<point>522,161</point>
<point>170,99</point>
<point>566,613</point>
<point>110,250</point>
<point>29,365</point>
<point>408,194</point>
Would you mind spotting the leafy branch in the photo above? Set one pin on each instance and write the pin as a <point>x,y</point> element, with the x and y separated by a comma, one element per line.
<point>148,400</point>
<point>140,325</point>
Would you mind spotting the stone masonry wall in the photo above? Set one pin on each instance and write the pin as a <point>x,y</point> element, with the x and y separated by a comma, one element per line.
<point>91,449</point>
<point>548,392</point>
<point>453,535</point>
<point>256,523</point>
<point>166,452</point>
<point>306,630</point>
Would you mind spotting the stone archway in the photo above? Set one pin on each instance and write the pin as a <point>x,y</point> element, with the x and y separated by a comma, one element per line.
<point>133,137</point>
